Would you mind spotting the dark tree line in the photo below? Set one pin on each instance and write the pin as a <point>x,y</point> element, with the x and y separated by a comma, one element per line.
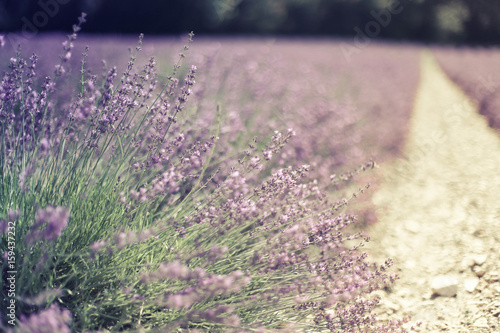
<point>470,21</point>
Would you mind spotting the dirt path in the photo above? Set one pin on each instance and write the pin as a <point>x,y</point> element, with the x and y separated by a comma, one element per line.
<point>439,214</point>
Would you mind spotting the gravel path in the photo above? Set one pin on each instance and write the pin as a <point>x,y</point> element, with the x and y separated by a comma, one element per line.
<point>439,214</point>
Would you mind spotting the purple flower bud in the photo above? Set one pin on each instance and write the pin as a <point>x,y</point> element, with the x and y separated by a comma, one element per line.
<point>49,224</point>
<point>82,17</point>
<point>44,144</point>
<point>52,319</point>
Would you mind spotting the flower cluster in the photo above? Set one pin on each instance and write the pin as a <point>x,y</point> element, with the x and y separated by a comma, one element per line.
<point>49,224</point>
<point>52,320</point>
<point>279,224</point>
<point>202,285</point>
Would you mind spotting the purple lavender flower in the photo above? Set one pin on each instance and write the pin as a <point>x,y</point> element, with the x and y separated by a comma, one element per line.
<point>49,224</point>
<point>41,298</point>
<point>52,320</point>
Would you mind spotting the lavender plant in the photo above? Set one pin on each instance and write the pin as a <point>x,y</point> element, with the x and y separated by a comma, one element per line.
<point>129,215</point>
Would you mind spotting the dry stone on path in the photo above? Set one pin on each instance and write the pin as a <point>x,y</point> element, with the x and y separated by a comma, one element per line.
<point>439,214</point>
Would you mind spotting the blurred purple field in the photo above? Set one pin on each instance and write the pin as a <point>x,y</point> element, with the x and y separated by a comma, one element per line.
<point>477,72</point>
<point>343,112</point>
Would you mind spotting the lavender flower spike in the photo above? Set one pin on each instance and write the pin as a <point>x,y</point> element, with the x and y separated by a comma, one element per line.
<point>52,320</point>
<point>55,218</point>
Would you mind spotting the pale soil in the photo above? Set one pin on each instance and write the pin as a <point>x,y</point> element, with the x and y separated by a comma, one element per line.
<point>438,209</point>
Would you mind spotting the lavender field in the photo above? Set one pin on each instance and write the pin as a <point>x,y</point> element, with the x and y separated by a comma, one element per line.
<point>220,186</point>
<point>477,72</point>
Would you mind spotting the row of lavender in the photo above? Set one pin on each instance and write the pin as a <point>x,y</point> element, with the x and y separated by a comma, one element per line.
<point>198,199</point>
<point>477,72</point>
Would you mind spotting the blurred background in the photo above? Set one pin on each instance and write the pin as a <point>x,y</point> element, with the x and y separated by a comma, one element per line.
<point>449,21</point>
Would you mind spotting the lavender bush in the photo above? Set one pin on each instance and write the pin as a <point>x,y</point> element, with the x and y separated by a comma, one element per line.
<point>134,211</point>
